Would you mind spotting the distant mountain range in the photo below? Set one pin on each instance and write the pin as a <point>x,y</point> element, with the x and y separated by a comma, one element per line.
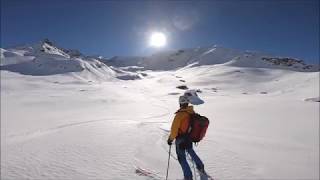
<point>45,58</point>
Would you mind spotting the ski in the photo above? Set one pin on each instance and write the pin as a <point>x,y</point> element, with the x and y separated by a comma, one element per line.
<point>205,176</point>
<point>155,176</point>
<point>148,173</point>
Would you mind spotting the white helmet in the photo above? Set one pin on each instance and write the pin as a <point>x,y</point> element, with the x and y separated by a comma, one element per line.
<point>183,100</point>
<point>193,97</point>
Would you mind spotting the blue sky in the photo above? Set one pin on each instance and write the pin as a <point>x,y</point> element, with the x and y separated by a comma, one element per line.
<point>109,28</point>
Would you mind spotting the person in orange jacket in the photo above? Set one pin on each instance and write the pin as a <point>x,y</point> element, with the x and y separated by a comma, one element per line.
<point>179,130</point>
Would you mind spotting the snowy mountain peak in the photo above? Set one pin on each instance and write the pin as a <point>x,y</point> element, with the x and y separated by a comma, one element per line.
<point>49,48</point>
<point>45,58</point>
<point>47,41</point>
<point>44,47</point>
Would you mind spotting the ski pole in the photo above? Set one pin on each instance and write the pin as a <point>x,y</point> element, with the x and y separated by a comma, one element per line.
<point>194,169</point>
<point>168,162</point>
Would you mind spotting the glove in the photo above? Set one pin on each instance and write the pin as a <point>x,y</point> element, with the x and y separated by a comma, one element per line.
<point>169,141</point>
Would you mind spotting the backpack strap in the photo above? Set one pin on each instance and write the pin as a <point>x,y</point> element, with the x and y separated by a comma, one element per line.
<point>191,121</point>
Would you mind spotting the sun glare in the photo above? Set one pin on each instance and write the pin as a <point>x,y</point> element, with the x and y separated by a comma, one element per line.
<point>158,39</point>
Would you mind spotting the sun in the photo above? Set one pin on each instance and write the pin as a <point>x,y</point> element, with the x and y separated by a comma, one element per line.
<point>157,39</point>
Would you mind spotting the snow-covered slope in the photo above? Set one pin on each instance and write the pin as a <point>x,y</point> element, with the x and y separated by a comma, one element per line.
<point>264,122</point>
<point>169,60</point>
<point>45,58</point>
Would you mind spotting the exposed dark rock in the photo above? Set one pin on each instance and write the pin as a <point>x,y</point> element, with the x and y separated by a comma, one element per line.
<point>214,89</point>
<point>289,62</point>
<point>315,99</point>
<point>173,93</point>
<point>128,77</point>
<point>46,40</point>
<point>183,87</point>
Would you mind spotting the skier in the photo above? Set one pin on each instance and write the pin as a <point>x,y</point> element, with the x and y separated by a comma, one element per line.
<point>178,132</point>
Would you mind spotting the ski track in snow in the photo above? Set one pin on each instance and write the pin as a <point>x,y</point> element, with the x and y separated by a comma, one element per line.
<point>41,132</point>
<point>15,138</point>
<point>223,160</point>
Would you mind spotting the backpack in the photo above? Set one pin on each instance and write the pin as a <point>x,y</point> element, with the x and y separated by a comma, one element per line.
<point>197,127</point>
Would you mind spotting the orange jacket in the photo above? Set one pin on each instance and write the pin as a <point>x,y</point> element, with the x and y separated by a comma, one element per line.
<point>180,123</point>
